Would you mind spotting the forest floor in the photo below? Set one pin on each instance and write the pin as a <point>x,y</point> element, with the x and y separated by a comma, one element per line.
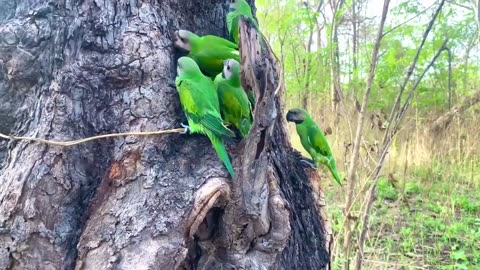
<point>425,222</point>
<point>428,219</point>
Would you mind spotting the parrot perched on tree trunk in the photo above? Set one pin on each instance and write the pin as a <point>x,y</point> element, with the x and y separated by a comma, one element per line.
<point>239,8</point>
<point>208,51</point>
<point>234,104</point>
<point>313,140</point>
<point>200,104</point>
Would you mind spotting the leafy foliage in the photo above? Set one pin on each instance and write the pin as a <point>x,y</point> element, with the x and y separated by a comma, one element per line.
<point>299,32</point>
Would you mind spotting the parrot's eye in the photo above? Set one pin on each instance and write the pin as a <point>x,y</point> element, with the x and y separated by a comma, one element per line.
<point>228,67</point>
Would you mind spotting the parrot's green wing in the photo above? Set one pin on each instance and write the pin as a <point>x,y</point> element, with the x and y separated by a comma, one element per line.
<point>320,145</point>
<point>186,98</point>
<point>203,116</point>
<point>215,124</point>
<point>234,98</point>
<point>218,48</point>
<point>318,141</point>
<point>218,41</point>
<point>195,105</point>
<point>232,25</point>
<point>210,52</point>
<point>234,105</point>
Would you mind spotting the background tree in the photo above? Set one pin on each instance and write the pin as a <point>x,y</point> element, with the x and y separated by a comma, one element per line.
<point>429,128</point>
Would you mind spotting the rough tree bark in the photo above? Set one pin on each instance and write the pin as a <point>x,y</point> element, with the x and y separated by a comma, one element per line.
<point>72,69</point>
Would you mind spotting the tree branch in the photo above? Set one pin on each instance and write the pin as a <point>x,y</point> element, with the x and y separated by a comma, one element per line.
<point>410,94</point>
<point>407,21</point>
<point>411,69</point>
<point>358,135</point>
<point>459,5</point>
<point>372,191</point>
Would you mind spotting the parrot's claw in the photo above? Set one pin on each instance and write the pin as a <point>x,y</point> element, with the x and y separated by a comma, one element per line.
<point>308,163</point>
<point>187,129</point>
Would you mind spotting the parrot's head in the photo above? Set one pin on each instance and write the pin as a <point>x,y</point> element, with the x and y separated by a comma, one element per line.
<point>238,4</point>
<point>230,67</point>
<point>233,5</point>
<point>297,116</point>
<point>186,65</point>
<point>183,38</point>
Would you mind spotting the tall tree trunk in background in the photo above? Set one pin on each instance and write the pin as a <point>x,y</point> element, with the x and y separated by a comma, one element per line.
<point>450,94</point>
<point>73,69</point>
<point>336,88</point>
<point>350,181</point>
<point>476,9</point>
<point>466,62</point>
<point>355,24</point>
<point>308,59</point>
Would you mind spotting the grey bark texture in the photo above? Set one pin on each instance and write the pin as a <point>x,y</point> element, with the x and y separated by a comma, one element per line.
<point>73,69</point>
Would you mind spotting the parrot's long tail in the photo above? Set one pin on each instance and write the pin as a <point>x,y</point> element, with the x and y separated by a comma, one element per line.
<point>333,169</point>
<point>221,152</point>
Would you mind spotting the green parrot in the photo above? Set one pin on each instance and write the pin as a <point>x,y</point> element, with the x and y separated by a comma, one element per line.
<point>234,104</point>
<point>239,8</point>
<point>200,104</point>
<point>208,51</point>
<point>313,140</point>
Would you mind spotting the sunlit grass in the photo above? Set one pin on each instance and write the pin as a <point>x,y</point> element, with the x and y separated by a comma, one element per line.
<point>427,212</point>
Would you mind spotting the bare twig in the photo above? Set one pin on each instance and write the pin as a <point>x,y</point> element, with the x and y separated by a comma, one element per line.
<point>395,118</point>
<point>371,195</point>
<point>336,90</point>
<point>407,21</point>
<point>459,5</point>
<point>411,69</point>
<point>410,93</point>
<point>358,134</point>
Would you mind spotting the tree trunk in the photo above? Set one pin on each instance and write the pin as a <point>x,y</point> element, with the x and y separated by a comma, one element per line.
<point>336,92</point>
<point>476,10</point>
<point>73,69</point>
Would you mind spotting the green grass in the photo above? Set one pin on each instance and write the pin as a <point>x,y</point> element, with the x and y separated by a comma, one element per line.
<point>429,221</point>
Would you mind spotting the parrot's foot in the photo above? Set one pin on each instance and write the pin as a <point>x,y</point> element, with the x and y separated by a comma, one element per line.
<point>187,129</point>
<point>308,163</point>
<point>214,193</point>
